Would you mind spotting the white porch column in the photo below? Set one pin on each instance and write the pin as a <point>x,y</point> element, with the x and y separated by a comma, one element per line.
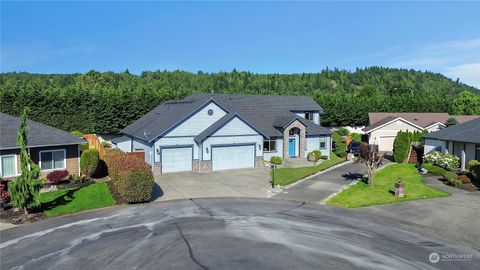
<point>464,157</point>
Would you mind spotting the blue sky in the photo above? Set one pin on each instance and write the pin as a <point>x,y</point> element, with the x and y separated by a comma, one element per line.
<point>262,37</point>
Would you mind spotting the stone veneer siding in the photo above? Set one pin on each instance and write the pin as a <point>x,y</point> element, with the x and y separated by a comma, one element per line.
<point>286,137</point>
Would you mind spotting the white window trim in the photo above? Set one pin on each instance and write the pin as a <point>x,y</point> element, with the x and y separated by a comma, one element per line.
<point>53,169</point>
<point>271,151</point>
<point>324,140</point>
<point>16,165</point>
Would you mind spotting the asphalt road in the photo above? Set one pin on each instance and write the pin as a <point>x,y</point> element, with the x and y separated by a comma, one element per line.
<point>227,233</point>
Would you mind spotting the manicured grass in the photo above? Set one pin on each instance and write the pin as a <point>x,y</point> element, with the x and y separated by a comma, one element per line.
<point>285,176</point>
<point>383,189</point>
<point>68,201</point>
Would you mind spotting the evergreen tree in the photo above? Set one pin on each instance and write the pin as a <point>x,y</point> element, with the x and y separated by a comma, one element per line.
<point>24,190</point>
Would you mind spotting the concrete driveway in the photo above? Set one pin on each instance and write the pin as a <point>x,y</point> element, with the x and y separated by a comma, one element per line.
<point>318,188</point>
<point>227,233</point>
<point>229,183</point>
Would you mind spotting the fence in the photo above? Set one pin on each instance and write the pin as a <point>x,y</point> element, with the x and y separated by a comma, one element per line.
<point>95,143</point>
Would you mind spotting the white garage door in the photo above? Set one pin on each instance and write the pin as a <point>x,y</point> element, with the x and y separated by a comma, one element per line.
<point>233,157</point>
<point>385,144</point>
<point>176,159</point>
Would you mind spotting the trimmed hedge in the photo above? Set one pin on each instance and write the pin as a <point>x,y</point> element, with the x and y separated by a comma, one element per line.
<point>401,146</point>
<point>402,143</point>
<point>89,162</point>
<point>474,168</point>
<point>449,176</point>
<point>131,177</point>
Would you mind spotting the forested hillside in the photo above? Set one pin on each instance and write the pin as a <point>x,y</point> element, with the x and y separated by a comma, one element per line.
<point>107,102</point>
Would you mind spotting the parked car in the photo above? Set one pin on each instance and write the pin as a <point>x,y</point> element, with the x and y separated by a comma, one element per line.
<point>353,147</point>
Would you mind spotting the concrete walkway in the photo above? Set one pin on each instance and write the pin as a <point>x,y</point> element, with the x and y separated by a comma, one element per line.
<point>6,226</point>
<point>320,187</point>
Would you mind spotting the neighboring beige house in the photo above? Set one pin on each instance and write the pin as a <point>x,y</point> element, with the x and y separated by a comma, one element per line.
<point>383,127</point>
<point>462,140</point>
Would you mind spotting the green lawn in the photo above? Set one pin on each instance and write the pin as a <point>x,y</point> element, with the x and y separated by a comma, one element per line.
<point>383,188</point>
<point>285,176</point>
<point>66,201</point>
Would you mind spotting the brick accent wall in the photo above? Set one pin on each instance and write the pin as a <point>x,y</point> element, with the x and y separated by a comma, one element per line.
<point>259,162</point>
<point>157,169</point>
<point>205,166</point>
<point>195,165</point>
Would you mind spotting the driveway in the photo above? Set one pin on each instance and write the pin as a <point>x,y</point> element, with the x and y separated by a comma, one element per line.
<point>227,233</point>
<point>456,217</point>
<point>318,188</point>
<point>229,183</point>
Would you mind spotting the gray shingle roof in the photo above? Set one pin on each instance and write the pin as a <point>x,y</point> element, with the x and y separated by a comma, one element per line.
<point>468,132</point>
<point>260,111</point>
<point>38,135</point>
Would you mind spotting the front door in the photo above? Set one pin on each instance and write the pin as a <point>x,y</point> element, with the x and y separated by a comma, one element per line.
<point>291,147</point>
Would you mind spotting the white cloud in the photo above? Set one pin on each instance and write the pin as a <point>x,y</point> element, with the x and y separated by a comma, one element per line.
<point>467,73</point>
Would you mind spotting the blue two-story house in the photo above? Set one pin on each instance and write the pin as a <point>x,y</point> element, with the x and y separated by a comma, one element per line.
<point>210,132</point>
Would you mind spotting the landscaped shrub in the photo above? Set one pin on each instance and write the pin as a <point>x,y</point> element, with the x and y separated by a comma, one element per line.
<point>131,177</point>
<point>276,160</point>
<point>356,137</point>
<point>474,168</point>
<point>401,146</point>
<point>89,161</point>
<point>341,153</point>
<point>4,195</point>
<point>324,157</point>
<point>84,147</point>
<point>452,178</point>
<point>447,161</point>
<point>77,133</point>
<point>106,144</point>
<point>343,131</point>
<point>434,169</point>
<point>314,155</point>
<point>56,176</point>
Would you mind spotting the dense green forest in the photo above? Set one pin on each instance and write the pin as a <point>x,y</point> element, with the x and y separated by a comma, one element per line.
<point>107,102</point>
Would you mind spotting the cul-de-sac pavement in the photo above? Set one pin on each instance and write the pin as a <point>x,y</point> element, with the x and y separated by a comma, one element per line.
<point>240,232</point>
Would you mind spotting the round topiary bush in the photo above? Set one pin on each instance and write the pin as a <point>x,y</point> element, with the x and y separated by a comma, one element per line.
<point>131,176</point>
<point>89,162</point>
<point>276,160</point>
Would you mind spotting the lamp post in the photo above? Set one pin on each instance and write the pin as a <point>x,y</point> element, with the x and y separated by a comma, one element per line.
<point>273,167</point>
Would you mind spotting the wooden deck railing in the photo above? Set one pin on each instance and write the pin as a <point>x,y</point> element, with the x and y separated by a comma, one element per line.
<point>95,143</point>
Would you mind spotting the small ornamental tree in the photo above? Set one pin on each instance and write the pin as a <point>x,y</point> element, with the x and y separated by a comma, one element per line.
<point>24,190</point>
<point>451,122</point>
<point>369,155</point>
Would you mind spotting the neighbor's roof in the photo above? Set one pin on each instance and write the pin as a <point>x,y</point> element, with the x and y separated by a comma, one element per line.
<point>423,120</point>
<point>259,111</point>
<point>38,134</point>
<point>468,132</point>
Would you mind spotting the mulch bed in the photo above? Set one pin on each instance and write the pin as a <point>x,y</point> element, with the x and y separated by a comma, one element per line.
<point>115,193</point>
<point>9,215</point>
<point>75,185</point>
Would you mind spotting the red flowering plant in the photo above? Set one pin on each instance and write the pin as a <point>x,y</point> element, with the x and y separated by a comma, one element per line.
<point>4,193</point>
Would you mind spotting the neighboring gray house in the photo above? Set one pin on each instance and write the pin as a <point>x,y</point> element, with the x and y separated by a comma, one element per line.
<point>209,132</point>
<point>52,149</point>
<point>462,140</point>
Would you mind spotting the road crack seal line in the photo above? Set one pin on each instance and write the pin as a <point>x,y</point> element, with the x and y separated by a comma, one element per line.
<point>203,208</point>
<point>190,251</point>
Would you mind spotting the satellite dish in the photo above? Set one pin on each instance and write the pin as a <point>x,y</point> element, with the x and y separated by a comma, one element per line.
<point>146,133</point>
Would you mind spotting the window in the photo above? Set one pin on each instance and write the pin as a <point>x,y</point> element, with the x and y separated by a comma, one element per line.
<point>52,160</point>
<point>8,165</point>
<point>323,143</point>
<point>269,146</point>
<point>309,116</point>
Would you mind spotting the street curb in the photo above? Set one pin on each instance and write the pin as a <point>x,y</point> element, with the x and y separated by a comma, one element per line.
<point>318,173</point>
